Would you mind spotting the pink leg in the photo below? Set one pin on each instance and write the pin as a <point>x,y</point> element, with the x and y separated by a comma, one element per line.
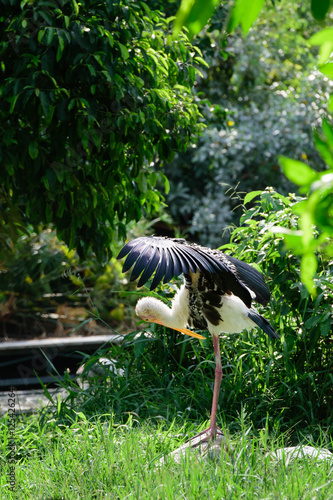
<point>217,385</point>
<point>213,430</point>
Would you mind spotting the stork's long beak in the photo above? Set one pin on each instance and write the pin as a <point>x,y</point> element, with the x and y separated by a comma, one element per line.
<point>184,330</point>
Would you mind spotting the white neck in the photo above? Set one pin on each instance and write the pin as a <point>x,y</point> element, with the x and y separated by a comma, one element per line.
<point>176,317</point>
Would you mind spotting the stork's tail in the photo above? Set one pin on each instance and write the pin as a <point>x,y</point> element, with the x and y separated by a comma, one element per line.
<point>263,324</point>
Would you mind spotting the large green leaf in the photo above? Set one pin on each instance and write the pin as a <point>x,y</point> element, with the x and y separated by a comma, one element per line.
<point>324,38</point>
<point>308,268</point>
<point>298,172</point>
<point>244,13</point>
<point>319,8</point>
<point>194,14</point>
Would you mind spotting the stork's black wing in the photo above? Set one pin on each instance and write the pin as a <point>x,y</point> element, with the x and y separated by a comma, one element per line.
<point>252,278</point>
<point>170,257</point>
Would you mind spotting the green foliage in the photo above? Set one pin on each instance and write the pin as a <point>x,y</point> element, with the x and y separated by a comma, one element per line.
<point>320,8</point>
<point>167,375</point>
<point>286,132</point>
<point>244,13</point>
<point>194,15</point>
<point>304,360</point>
<point>94,95</point>
<point>12,225</point>
<point>98,458</point>
<point>317,209</point>
<point>258,101</point>
<point>35,268</point>
<point>46,283</point>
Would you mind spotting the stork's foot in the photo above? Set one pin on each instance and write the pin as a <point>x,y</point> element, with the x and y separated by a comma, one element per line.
<point>203,447</point>
<point>207,436</point>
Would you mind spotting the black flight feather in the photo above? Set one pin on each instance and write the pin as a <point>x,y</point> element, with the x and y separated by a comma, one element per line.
<point>251,278</point>
<point>150,266</point>
<point>263,324</point>
<point>169,257</point>
<point>160,271</point>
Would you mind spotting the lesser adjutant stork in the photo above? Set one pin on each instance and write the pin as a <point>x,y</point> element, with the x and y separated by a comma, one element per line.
<point>216,295</point>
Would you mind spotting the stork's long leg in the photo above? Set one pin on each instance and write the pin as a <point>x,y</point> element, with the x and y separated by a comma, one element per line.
<point>217,385</point>
<point>213,431</point>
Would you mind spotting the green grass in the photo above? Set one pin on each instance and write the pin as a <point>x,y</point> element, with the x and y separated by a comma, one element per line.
<point>98,458</point>
<point>105,440</point>
<point>166,376</point>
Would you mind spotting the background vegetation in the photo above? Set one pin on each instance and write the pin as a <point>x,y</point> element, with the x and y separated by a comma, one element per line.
<point>93,96</point>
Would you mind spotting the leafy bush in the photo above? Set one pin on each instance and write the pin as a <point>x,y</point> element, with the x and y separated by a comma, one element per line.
<point>92,96</point>
<point>297,378</point>
<point>243,155</point>
<point>260,97</point>
<point>289,380</point>
<point>42,281</point>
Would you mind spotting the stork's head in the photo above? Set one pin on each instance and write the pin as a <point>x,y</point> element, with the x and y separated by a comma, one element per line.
<point>151,309</point>
<point>155,311</point>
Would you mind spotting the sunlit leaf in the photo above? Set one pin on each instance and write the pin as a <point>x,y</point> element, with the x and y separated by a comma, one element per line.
<point>308,270</point>
<point>325,35</point>
<point>249,196</point>
<point>324,39</point>
<point>328,131</point>
<point>244,13</point>
<point>298,172</point>
<point>330,103</point>
<point>326,69</point>
<point>194,14</point>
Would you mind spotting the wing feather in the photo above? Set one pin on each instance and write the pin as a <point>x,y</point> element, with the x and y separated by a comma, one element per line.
<point>150,267</point>
<point>175,269</point>
<point>169,268</point>
<point>184,264</point>
<point>203,263</point>
<point>140,264</point>
<point>160,271</point>
<point>133,252</point>
<point>169,257</point>
<point>251,278</point>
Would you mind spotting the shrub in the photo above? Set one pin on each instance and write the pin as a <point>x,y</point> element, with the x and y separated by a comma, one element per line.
<point>260,98</point>
<point>289,380</point>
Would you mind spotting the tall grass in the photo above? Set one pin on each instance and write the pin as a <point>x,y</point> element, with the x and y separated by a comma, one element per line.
<point>98,458</point>
<point>167,375</point>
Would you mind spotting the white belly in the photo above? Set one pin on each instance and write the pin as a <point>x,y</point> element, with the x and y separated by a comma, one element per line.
<point>234,314</point>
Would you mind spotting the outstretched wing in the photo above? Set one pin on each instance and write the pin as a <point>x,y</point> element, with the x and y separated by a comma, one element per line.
<point>169,257</point>
<point>252,278</point>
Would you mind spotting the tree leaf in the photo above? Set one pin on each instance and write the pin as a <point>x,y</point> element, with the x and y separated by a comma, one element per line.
<point>326,69</point>
<point>194,14</point>
<point>33,150</point>
<point>244,13</point>
<point>325,35</point>
<point>298,172</point>
<point>319,8</point>
<point>325,327</point>
<point>60,48</point>
<point>249,196</point>
<point>124,51</point>
<point>308,269</point>
<point>142,182</point>
<point>324,38</point>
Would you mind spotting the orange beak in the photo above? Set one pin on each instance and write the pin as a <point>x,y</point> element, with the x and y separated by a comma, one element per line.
<point>183,330</point>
